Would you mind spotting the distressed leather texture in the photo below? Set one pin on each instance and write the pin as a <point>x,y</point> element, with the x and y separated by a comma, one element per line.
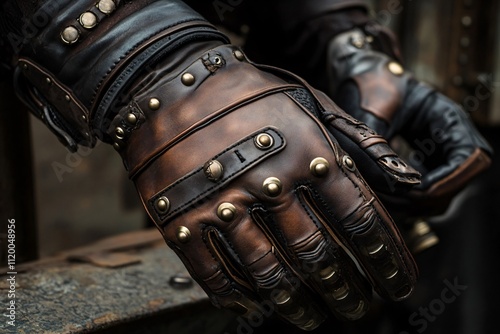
<point>294,248</point>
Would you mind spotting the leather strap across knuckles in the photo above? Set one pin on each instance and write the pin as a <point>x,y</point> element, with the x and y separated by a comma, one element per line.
<point>184,104</point>
<point>215,173</point>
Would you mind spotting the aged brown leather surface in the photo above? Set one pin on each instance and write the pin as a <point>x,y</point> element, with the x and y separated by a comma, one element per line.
<point>292,247</point>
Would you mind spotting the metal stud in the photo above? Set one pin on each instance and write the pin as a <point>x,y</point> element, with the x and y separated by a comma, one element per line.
<point>70,35</point>
<point>213,170</point>
<point>188,79</point>
<point>119,133</point>
<point>349,163</point>
<point>272,186</point>
<point>183,234</point>
<point>48,81</point>
<point>67,97</point>
<point>358,41</point>
<point>154,103</point>
<point>88,20</point>
<point>84,117</point>
<point>264,141</point>
<point>226,212</point>
<point>395,68</point>
<point>106,6</point>
<point>116,146</point>
<point>162,204</point>
<point>319,167</point>
<point>131,119</point>
<point>239,55</point>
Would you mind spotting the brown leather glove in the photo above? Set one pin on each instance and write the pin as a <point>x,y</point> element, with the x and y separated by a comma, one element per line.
<point>255,196</point>
<point>261,203</point>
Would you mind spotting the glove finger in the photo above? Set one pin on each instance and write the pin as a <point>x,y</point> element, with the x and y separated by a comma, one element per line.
<point>319,261</point>
<point>273,281</point>
<point>361,225</point>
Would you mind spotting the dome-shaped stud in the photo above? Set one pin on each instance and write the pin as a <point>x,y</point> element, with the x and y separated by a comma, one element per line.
<point>183,234</point>
<point>358,41</point>
<point>395,68</point>
<point>162,204</point>
<point>116,146</point>
<point>119,133</point>
<point>88,20</point>
<point>349,163</point>
<point>106,6</point>
<point>272,186</point>
<point>188,79</point>
<point>319,167</point>
<point>239,55</point>
<point>213,170</point>
<point>264,141</point>
<point>226,212</point>
<point>70,35</point>
<point>131,119</point>
<point>154,103</point>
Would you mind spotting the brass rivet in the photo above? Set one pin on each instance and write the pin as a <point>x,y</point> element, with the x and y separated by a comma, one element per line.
<point>272,186</point>
<point>25,67</point>
<point>239,55</point>
<point>349,163</point>
<point>183,234</point>
<point>154,103</point>
<point>84,117</point>
<point>119,133</point>
<point>48,81</point>
<point>282,297</point>
<point>70,35</point>
<point>188,79</point>
<point>116,146</point>
<point>213,170</point>
<point>87,134</point>
<point>264,141</point>
<point>106,6</point>
<point>67,97</point>
<point>131,119</point>
<point>358,41</point>
<point>162,204</point>
<point>319,167</point>
<point>395,68</point>
<point>226,212</point>
<point>88,20</point>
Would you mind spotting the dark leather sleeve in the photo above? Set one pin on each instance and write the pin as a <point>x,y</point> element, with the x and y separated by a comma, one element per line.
<point>72,71</point>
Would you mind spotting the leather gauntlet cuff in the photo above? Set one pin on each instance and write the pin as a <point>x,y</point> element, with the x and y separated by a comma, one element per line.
<point>73,72</point>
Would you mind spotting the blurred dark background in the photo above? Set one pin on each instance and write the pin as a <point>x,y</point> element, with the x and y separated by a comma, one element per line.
<point>62,200</point>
